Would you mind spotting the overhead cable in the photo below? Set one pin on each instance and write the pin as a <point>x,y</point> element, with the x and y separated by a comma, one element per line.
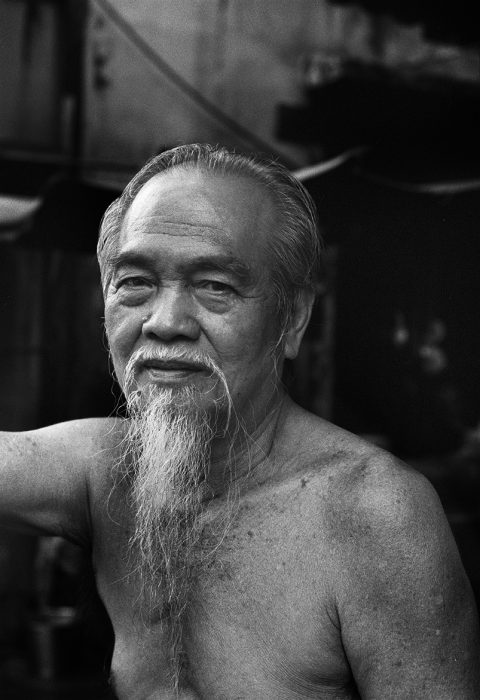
<point>175,78</point>
<point>439,187</point>
<point>325,166</point>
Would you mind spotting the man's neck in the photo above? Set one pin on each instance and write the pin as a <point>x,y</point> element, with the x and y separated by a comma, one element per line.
<point>241,456</point>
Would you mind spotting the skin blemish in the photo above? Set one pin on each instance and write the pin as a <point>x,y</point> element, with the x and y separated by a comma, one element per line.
<point>303,482</point>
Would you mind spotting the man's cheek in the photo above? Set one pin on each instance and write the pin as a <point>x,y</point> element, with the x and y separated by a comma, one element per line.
<point>121,339</point>
<point>122,326</point>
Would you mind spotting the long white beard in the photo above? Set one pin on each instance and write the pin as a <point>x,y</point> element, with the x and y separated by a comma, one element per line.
<point>169,442</point>
<point>170,450</point>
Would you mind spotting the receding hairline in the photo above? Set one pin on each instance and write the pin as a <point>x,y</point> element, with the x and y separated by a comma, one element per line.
<point>206,173</point>
<point>204,170</point>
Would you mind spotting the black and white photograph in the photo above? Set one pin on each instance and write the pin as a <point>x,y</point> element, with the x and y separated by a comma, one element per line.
<point>239,350</point>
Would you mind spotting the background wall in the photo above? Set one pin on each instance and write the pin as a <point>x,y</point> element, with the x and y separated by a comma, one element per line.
<point>29,75</point>
<point>244,57</point>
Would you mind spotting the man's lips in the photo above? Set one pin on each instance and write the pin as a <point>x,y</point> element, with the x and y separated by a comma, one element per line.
<point>170,369</point>
<point>172,366</point>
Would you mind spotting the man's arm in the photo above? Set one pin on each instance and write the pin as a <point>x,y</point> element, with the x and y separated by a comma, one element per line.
<point>45,477</point>
<point>408,620</point>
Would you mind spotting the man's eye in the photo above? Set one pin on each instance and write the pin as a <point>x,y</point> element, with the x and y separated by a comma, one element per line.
<point>133,283</point>
<point>216,287</point>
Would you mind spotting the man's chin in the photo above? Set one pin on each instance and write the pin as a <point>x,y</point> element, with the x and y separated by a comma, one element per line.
<point>186,397</point>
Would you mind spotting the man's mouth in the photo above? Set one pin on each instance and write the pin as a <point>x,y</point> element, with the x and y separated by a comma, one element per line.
<point>170,370</point>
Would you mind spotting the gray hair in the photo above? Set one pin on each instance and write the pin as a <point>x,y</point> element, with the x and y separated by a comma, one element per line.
<point>296,250</point>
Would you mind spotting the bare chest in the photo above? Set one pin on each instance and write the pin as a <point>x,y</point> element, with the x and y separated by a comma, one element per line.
<point>258,624</point>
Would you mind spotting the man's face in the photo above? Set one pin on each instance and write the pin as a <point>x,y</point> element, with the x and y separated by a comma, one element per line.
<point>192,274</point>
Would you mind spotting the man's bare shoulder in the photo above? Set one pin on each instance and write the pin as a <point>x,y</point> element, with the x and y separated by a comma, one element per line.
<point>49,474</point>
<point>358,483</point>
<point>94,444</point>
<point>77,451</point>
<point>401,596</point>
<point>85,431</point>
<point>85,438</point>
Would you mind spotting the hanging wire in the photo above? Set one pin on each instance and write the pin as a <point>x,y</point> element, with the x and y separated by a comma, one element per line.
<point>433,187</point>
<point>439,187</point>
<point>175,78</point>
<point>311,171</point>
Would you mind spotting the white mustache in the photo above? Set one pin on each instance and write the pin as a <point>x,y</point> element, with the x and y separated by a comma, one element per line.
<point>168,355</point>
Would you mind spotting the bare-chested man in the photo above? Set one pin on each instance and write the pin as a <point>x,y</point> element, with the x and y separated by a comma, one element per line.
<point>243,548</point>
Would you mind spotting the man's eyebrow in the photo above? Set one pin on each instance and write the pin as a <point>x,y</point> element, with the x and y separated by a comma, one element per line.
<point>211,263</point>
<point>129,258</point>
<point>222,263</point>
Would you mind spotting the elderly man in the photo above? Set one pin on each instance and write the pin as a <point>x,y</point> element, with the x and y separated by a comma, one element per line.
<point>243,548</point>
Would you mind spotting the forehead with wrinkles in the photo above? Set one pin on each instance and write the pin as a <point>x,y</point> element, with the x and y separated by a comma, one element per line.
<point>161,195</point>
<point>230,210</point>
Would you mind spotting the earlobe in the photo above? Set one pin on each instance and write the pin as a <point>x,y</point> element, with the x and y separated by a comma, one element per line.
<point>298,325</point>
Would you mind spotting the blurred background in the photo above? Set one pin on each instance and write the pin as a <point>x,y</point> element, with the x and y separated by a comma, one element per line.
<point>375,107</point>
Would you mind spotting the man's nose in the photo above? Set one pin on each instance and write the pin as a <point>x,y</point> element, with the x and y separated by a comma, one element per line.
<point>171,315</point>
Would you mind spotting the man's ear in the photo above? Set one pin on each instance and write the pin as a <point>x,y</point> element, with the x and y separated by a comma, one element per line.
<point>298,324</point>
